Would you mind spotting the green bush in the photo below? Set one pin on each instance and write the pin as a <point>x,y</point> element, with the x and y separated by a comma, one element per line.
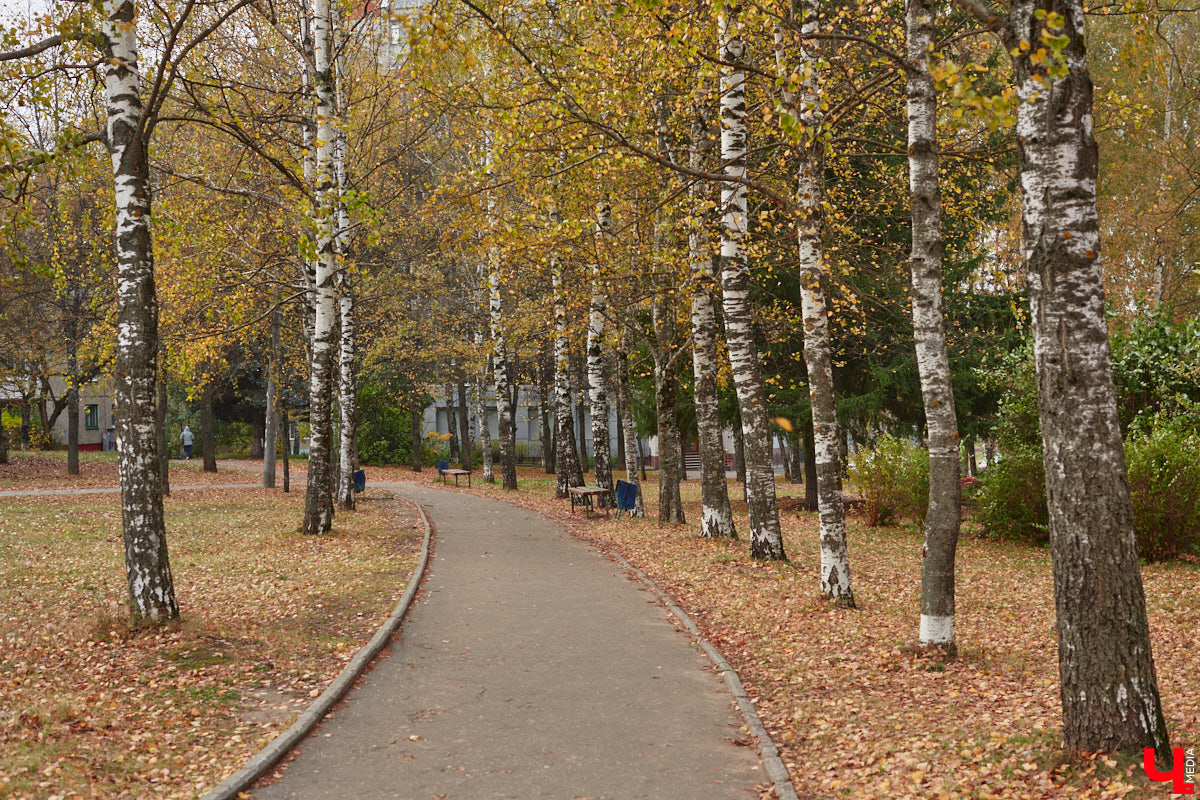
<point>893,476</point>
<point>1164,481</point>
<point>384,428</point>
<point>1011,497</point>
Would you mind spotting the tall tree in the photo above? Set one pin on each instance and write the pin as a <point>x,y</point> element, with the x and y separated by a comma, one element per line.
<point>597,391</point>
<point>566,459</point>
<point>766,538</point>
<point>1109,688</point>
<point>945,490</point>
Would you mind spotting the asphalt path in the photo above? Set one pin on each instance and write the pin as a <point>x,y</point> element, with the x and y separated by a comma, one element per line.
<point>531,666</point>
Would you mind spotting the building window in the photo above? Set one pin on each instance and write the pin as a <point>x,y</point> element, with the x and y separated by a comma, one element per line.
<point>91,417</point>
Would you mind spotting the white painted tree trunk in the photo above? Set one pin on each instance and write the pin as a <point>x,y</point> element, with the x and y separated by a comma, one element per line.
<point>147,565</point>
<point>942,516</point>
<point>801,105</point>
<point>716,515</point>
<point>318,508</point>
<point>597,391</point>
<point>1109,689</point>
<point>766,539</point>
<point>566,458</point>
<point>625,410</point>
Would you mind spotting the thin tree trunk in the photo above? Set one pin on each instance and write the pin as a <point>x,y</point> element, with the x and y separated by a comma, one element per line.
<point>597,391</point>
<point>504,409</point>
<point>545,403</point>
<point>566,458</point>
<point>810,467</point>
<point>577,367</point>
<point>1109,688</point>
<point>739,454</point>
<point>162,407</point>
<point>72,405</point>
<point>147,564</point>
<point>3,444</point>
<point>972,465</point>
<point>464,424</point>
<point>630,443</point>
<point>208,434</point>
<point>796,451</point>
<point>716,515</point>
<point>670,456</point>
<point>766,538</point>
<point>803,104</point>
<point>942,518</point>
<point>452,422</point>
<point>347,327</point>
<point>271,442</point>
<point>256,436</point>
<point>485,431</point>
<point>415,427</point>
<point>785,456</point>
<point>318,506</point>
<point>285,426</point>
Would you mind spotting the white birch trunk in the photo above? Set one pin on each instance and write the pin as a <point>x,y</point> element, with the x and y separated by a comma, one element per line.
<point>318,510</point>
<point>271,443</point>
<point>625,410</point>
<point>347,351</point>
<point>766,539</point>
<point>801,105</point>
<point>566,457</point>
<point>716,515</point>
<point>942,516</point>
<point>597,392</point>
<point>481,414</point>
<point>1109,689</point>
<point>147,565</point>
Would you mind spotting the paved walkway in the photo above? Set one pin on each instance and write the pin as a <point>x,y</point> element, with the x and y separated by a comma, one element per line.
<point>531,667</point>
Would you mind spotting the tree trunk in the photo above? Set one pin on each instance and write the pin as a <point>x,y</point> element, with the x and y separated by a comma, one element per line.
<point>545,382</point>
<point>271,443</point>
<point>208,434</point>
<point>415,425</point>
<point>597,391</point>
<point>72,405</point>
<point>803,103</point>
<point>3,443</point>
<point>485,431</point>
<point>766,538</point>
<point>716,515</point>
<point>452,422</point>
<point>810,468</point>
<point>785,457</point>
<point>504,409</point>
<point>670,456</point>
<point>566,458</point>
<point>972,465</point>
<point>942,516</point>
<point>147,564</point>
<point>1109,689</point>
<point>464,424</point>
<point>580,414</point>
<point>739,454</point>
<point>347,327</point>
<point>630,443</point>
<point>162,407</point>
<point>796,450</point>
<point>287,472</point>
<point>318,505</point>
<point>256,436</point>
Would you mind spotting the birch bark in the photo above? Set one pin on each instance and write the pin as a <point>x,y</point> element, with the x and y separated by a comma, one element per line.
<point>318,507</point>
<point>271,440</point>
<point>625,411</point>
<point>716,515</point>
<point>1109,689</point>
<point>933,364</point>
<point>802,105</point>
<point>670,450</point>
<point>147,564</point>
<point>508,454</point>
<point>347,343</point>
<point>481,417</point>
<point>464,423</point>
<point>566,458</point>
<point>597,392</point>
<point>766,539</point>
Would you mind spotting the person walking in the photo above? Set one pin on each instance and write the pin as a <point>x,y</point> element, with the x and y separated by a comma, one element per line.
<point>188,438</point>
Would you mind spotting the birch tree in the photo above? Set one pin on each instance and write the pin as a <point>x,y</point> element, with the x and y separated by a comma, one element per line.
<point>933,362</point>
<point>1109,689</point>
<point>597,393</point>
<point>347,344</point>
<point>801,106</point>
<point>766,539</point>
<point>566,459</point>
<point>318,509</point>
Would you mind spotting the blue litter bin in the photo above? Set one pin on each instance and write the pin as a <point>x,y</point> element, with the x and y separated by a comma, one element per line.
<point>360,480</point>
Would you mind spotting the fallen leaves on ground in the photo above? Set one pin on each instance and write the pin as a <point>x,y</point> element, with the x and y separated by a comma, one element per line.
<point>28,470</point>
<point>854,709</point>
<point>91,709</point>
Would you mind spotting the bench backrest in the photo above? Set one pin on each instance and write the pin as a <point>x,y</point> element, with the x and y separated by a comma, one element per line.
<point>626,496</point>
<point>442,466</point>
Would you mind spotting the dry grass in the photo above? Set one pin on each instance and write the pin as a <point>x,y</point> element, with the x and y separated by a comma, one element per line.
<point>48,470</point>
<point>269,616</point>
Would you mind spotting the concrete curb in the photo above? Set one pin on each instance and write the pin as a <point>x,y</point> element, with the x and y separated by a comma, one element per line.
<point>278,747</point>
<point>772,763</point>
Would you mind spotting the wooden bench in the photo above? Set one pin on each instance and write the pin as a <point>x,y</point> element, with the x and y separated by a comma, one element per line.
<point>456,473</point>
<point>582,496</point>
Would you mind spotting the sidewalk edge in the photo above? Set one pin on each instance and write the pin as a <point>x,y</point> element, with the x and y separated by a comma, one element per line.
<point>278,747</point>
<point>772,763</point>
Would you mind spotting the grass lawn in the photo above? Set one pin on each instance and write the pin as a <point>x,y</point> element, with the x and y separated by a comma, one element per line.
<point>269,616</point>
<point>856,713</point>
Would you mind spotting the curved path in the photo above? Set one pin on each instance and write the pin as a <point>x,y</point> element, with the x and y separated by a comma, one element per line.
<point>530,667</point>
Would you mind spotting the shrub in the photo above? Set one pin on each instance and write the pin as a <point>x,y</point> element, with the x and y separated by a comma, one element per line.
<point>893,476</point>
<point>1164,482</point>
<point>384,428</point>
<point>1011,497</point>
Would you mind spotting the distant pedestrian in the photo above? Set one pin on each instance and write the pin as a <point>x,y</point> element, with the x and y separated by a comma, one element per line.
<point>188,439</point>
